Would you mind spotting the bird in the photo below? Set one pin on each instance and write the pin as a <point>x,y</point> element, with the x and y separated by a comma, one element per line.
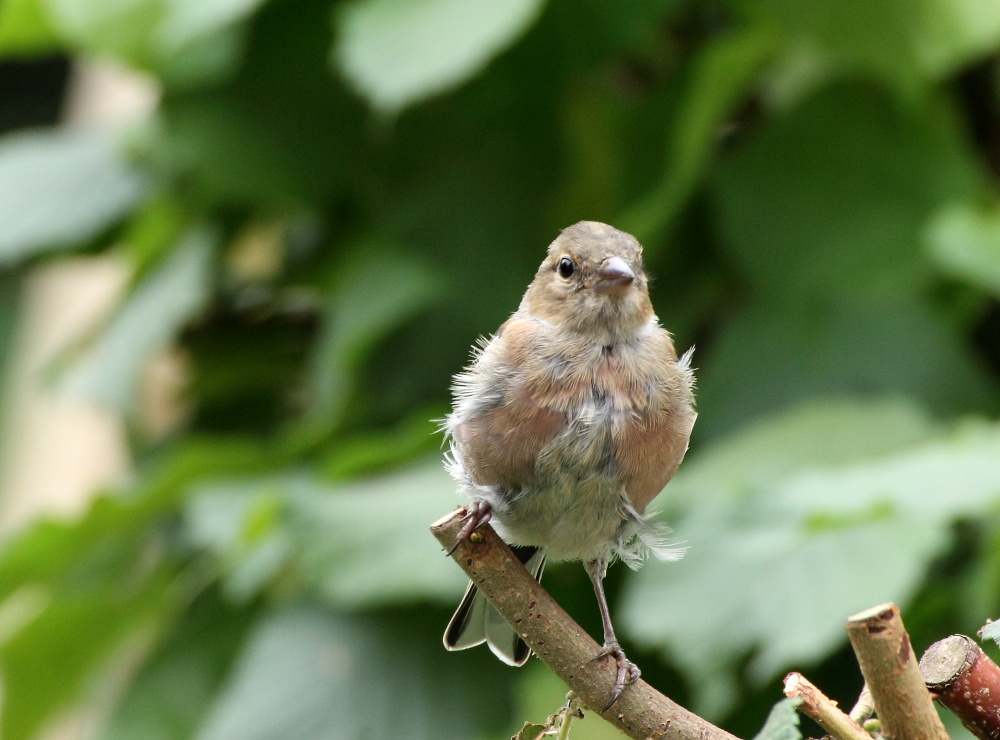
<point>568,421</point>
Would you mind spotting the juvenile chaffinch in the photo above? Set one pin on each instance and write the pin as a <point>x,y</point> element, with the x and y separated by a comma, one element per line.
<point>568,422</point>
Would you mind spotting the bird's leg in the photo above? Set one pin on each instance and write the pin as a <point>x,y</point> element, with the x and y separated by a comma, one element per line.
<point>628,672</point>
<point>476,515</point>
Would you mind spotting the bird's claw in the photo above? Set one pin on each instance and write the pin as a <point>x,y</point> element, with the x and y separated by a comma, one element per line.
<point>477,514</point>
<point>628,672</point>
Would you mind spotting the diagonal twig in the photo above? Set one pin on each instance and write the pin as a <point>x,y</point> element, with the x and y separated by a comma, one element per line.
<point>642,712</point>
<point>822,709</point>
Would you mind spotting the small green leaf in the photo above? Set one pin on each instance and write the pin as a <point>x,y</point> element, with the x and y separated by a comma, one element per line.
<point>991,631</point>
<point>59,188</point>
<point>541,693</point>
<point>782,722</point>
<point>530,732</point>
<point>25,29</point>
<point>965,241</point>
<point>397,52</point>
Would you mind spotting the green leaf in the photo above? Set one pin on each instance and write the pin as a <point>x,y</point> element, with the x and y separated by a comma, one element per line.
<point>376,289</point>
<point>904,43</point>
<point>48,662</point>
<point>990,631</point>
<point>965,241</point>
<point>816,434</point>
<point>170,694</point>
<point>530,732</point>
<point>540,693</point>
<point>25,29</point>
<point>397,52</point>
<point>355,545</point>
<point>306,673</point>
<point>157,34</point>
<point>59,188</point>
<point>51,552</point>
<point>10,302</point>
<point>938,480</point>
<point>787,541</point>
<point>90,576</point>
<point>724,72</point>
<point>832,196</point>
<point>148,320</point>
<point>782,722</point>
<point>780,353</point>
<point>373,451</point>
<point>746,577</point>
<point>955,33</point>
<point>247,141</point>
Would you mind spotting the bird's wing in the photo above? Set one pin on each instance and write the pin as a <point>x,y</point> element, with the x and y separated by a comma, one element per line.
<point>499,440</point>
<point>650,447</point>
<point>649,454</point>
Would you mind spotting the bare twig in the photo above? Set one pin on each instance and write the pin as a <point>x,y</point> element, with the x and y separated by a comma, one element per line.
<point>967,682</point>
<point>902,701</point>
<point>641,713</point>
<point>822,709</point>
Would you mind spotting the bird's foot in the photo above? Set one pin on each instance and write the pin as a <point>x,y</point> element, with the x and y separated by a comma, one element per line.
<point>477,514</point>
<point>628,672</point>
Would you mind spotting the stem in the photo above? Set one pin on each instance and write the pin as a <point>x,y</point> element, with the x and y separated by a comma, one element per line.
<point>864,707</point>
<point>902,702</point>
<point>967,682</point>
<point>641,713</point>
<point>570,712</point>
<point>816,705</point>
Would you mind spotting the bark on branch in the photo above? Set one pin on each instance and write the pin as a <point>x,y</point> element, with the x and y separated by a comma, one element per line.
<point>967,682</point>
<point>902,701</point>
<point>642,712</point>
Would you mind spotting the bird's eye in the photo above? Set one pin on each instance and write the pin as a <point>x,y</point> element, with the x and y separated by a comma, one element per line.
<point>566,267</point>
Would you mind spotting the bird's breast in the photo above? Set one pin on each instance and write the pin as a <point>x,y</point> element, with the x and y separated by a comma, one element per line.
<point>571,437</point>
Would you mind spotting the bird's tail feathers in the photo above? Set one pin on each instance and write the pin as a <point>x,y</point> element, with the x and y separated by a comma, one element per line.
<point>476,621</point>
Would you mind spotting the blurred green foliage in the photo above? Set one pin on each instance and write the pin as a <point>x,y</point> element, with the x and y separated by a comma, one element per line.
<point>334,199</point>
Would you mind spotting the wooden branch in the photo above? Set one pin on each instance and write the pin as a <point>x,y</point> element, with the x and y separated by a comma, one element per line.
<point>641,713</point>
<point>822,709</point>
<point>902,702</point>
<point>967,682</point>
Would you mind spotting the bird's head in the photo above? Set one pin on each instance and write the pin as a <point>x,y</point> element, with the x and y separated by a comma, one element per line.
<point>592,282</point>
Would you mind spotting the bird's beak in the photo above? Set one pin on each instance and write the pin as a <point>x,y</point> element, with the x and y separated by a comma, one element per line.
<point>614,277</point>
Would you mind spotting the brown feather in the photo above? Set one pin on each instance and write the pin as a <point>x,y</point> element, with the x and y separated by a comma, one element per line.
<point>501,444</point>
<point>647,388</point>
